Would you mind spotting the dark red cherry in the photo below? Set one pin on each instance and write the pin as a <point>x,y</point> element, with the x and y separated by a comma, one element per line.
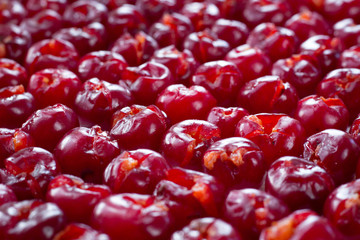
<point>232,31</point>
<point>12,12</point>
<point>35,6</point>
<point>78,231</point>
<point>12,73</point>
<point>350,58</point>
<point>355,130</point>
<point>347,31</point>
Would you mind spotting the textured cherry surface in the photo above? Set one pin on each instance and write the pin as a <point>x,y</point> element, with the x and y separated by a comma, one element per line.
<point>78,231</point>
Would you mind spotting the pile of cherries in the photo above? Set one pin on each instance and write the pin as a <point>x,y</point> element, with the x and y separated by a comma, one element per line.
<point>179,119</point>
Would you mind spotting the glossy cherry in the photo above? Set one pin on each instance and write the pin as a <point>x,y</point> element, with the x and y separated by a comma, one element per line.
<point>78,231</point>
<point>355,130</point>
<point>12,73</point>
<point>232,31</point>
<point>347,31</point>
<point>349,58</point>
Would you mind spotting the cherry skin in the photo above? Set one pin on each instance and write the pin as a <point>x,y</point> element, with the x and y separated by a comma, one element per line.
<point>268,94</point>
<point>317,113</point>
<point>48,125</point>
<point>341,164</point>
<point>16,106</point>
<point>132,216</point>
<point>43,24</point>
<point>302,224</point>
<point>276,42</point>
<point>232,31</point>
<point>171,29</point>
<point>12,73</point>
<point>355,130</point>
<point>6,195</point>
<point>185,142</point>
<point>35,6</point>
<point>135,49</point>
<point>343,83</point>
<point>221,78</point>
<point>154,9</point>
<point>182,103</point>
<point>347,31</point>
<point>28,172</point>
<point>12,12</point>
<point>13,140</point>
<point>181,64</point>
<point>237,162</point>
<point>306,24</point>
<point>226,119</point>
<point>206,46</point>
<point>138,126</point>
<point>135,171</point>
<point>51,53</point>
<point>301,71</point>
<point>277,135</point>
<point>22,219</point>
<point>286,180</point>
<point>350,58</point>
<point>336,10</point>
<point>209,228</point>
<point>78,231</point>
<point>105,65</point>
<point>251,61</point>
<point>51,86</point>
<point>74,197</point>
<point>86,39</point>
<point>85,152</point>
<point>147,81</point>
<point>251,210</point>
<point>341,208</point>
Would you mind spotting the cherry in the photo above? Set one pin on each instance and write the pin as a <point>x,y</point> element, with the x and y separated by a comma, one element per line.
<point>232,31</point>
<point>306,24</point>
<point>154,9</point>
<point>28,172</point>
<point>317,113</point>
<point>341,164</point>
<point>74,197</point>
<point>51,53</point>
<point>40,220</point>
<point>171,29</point>
<point>181,103</point>
<point>14,42</point>
<point>105,65</point>
<point>347,31</point>
<point>343,83</point>
<point>185,142</point>
<point>276,42</point>
<point>209,228</point>
<point>202,14</point>
<point>43,24</point>
<point>85,39</point>
<point>51,86</point>
<point>135,49</point>
<point>16,106</point>
<point>35,6</point>
<point>138,126</point>
<point>132,216</point>
<point>78,231</point>
<point>226,119</point>
<point>190,194</point>
<point>325,49</point>
<point>277,135</point>
<point>135,171</point>
<point>355,130</point>
<point>206,46</point>
<point>12,12</point>
<point>251,61</point>
<point>230,9</point>
<point>341,208</point>
<point>85,152</point>
<point>286,180</point>
<point>350,58</point>
<point>221,78</point>
<point>258,11</point>
<point>237,162</point>
<point>302,224</point>
<point>6,195</point>
<point>268,94</point>
<point>12,73</point>
<point>82,12</point>
<point>250,211</point>
<point>181,65</point>
<point>336,10</point>
<point>98,100</point>
<point>147,81</point>
<point>301,71</point>
<point>126,18</point>
<point>13,140</point>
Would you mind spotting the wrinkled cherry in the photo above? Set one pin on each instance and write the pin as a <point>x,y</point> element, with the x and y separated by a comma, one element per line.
<point>135,171</point>
<point>340,163</point>
<point>74,197</point>
<point>85,152</point>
